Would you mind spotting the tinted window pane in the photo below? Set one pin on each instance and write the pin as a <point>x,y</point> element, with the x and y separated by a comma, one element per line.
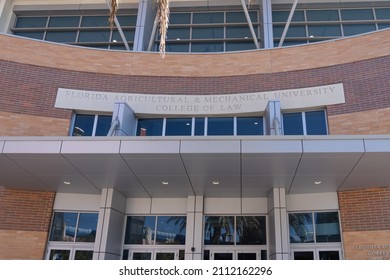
<point>199,126</point>
<point>94,36</point>
<point>178,127</point>
<point>83,255</point>
<point>235,17</point>
<point>354,29</point>
<point>64,21</point>
<point>251,230</point>
<point>31,22</point>
<point>219,230</point>
<point>292,124</point>
<point>327,227</point>
<point>207,18</point>
<point>129,20</point>
<point>180,18</point>
<point>250,126</point>
<point>94,21</point>
<point>207,33</point>
<point>382,13</point>
<point>103,125</point>
<point>35,34</point>
<point>171,230</point>
<point>59,255</point>
<point>207,47</point>
<point>172,47</point>
<point>220,126</point>
<point>149,127</point>
<point>324,30</point>
<point>240,46</point>
<point>140,230</point>
<point>63,227</point>
<point>357,14</point>
<point>83,125</point>
<point>129,35</point>
<point>61,36</point>
<point>178,33</point>
<point>322,15</point>
<point>86,229</point>
<point>282,16</point>
<point>315,123</point>
<point>239,32</point>
<point>301,228</point>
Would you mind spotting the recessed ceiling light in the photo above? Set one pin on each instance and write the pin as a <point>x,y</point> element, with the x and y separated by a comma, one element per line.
<point>317,182</point>
<point>164,182</point>
<point>66,182</point>
<point>215,182</point>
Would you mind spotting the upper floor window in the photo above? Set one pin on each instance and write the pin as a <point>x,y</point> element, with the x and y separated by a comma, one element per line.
<point>314,227</point>
<point>91,125</point>
<point>305,123</point>
<point>199,126</point>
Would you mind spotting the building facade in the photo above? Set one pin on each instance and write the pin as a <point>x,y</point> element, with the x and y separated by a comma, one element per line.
<point>262,134</point>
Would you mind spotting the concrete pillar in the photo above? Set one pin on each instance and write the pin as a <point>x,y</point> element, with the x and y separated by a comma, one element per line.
<point>127,121</point>
<point>278,225</point>
<point>267,31</point>
<point>110,228</point>
<point>194,231</point>
<point>145,20</point>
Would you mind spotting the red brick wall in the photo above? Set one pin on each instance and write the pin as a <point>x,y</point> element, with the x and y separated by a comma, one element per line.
<point>25,218</point>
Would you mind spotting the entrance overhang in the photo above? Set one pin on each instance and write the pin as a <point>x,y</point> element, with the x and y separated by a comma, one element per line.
<point>182,166</point>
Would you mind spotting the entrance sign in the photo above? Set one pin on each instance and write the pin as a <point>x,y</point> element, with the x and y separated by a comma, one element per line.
<point>197,105</point>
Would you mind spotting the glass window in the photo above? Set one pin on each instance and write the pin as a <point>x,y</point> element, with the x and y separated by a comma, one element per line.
<point>127,20</point>
<point>61,36</point>
<point>174,47</point>
<point>86,230</point>
<point>178,33</point>
<point>327,227</point>
<point>64,21</point>
<point>354,29</point>
<point>140,230</point>
<point>149,127</point>
<point>315,123</point>
<point>220,126</point>
<point>240,46</point>
<point>83,255</point>
<point>94,36</point>
<point>219,230</point>
<point>322,15</point>
<point>207,47</point>
<point>208,18</point>
<point>382,13</point>
<point>103,125</point>
<point>59,254</point>
<point>94,21</point>
<point>250,126</point>
<point>207,32</point>
<point>33,34</point>
<point>324,30</point>
<point>83,125</point>
<point>237,17</point>
<point>31,22</point>
<point>251,230</point>
<point>239,32</point>
<point>292,124</point>
<point>171,230</point>
<point>199,126</point>
<point>282,16</point>
<point>180,18</point>
<point>357,14</point>
<point>63,227</point>
<point>178,126</point>
<point>301,228</point>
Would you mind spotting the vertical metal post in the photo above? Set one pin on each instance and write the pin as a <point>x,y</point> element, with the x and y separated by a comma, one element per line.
<point>288,23</point>
<point>250,24</point>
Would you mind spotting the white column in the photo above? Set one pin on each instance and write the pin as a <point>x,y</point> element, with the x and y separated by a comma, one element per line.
<point>194,230</point>
<point>278,225</point>
<point>110,228</point>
